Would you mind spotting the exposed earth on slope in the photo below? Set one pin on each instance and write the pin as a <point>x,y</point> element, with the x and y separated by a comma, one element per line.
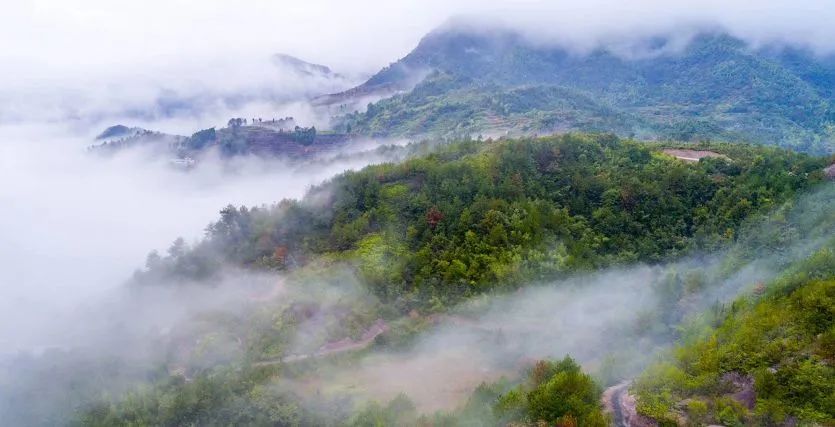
<point>692,155</point>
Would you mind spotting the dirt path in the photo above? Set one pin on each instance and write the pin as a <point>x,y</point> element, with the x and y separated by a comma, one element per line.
<point>334,347</point>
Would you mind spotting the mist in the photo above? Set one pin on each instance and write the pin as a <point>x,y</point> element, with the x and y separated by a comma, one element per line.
<point>76,225</point>
<point>614,321</point>
<point>68,272</point>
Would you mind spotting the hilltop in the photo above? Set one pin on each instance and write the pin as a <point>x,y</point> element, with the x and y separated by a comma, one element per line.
<point>277,138</point>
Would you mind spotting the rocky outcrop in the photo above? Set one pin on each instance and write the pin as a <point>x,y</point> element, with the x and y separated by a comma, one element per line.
<point>742,387</point>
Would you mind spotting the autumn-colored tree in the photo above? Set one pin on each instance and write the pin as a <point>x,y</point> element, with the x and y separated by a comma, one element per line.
<point>434,217</point>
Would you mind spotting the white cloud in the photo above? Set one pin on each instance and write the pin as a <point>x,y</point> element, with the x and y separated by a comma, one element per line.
<point>75,225</point>
<point>357,35</point>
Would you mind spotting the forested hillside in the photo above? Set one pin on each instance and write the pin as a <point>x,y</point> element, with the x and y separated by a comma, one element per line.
<point>375,262</point>
<point>766,359</point>
<point>474,217</point>
<point>716,87</point>
<point>477,215</point>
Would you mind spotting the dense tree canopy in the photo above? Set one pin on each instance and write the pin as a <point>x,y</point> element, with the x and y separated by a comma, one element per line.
<point>480,214</point>
<point>477,216</point>
<point>779,347</point>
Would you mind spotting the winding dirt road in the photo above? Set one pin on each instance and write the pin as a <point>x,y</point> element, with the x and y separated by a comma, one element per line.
<point>344,345</point>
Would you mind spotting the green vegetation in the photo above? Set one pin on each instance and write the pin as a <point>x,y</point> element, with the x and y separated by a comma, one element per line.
<point>482,215</point>
<point>219,398</point>
<point>385,265</point>
<point>556,393</point>
<point>550,393</point>
<point>304,136</point>
<point>450,106</point>
<point>763,360</point>
<point>785,326</point>
<point>201,139</point>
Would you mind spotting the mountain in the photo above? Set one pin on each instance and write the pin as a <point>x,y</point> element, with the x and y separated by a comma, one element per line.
<point>498,281</point>
<point>303,67</point>
<point>716,87</point>
<point>376,263</point>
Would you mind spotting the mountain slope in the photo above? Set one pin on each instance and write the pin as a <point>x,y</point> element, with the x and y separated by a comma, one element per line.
<point>479,215</point>
<point>471,217</point>
<point>765,360</point>
<point>715,87</point>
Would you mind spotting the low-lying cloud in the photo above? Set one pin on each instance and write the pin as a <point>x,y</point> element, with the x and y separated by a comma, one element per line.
<point>75,225</point>
<point>613,321</point>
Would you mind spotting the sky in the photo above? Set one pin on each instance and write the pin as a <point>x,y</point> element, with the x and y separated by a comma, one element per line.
<point>43,36</point>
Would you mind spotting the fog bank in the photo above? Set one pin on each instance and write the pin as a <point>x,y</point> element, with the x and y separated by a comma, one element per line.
<point>75,225</point>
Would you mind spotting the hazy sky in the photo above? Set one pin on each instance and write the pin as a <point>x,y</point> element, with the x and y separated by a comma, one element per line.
<point>41,36</point>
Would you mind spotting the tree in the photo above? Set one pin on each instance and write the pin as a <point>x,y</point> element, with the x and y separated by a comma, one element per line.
<point>153,260</point>
<point>177,248</point>
<point>434,217</point>
<point>556,393</point>
<point>567,397</point>
<point>201,138</point>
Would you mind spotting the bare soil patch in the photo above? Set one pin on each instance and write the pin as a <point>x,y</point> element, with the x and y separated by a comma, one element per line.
<point>691,155</point>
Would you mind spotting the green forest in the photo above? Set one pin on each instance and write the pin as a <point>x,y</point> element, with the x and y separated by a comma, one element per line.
<point>777,346</point>
<point>479,215</point>
<point>484,217</point>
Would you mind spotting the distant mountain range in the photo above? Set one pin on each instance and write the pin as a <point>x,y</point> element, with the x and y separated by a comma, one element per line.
<point>717,87</point>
